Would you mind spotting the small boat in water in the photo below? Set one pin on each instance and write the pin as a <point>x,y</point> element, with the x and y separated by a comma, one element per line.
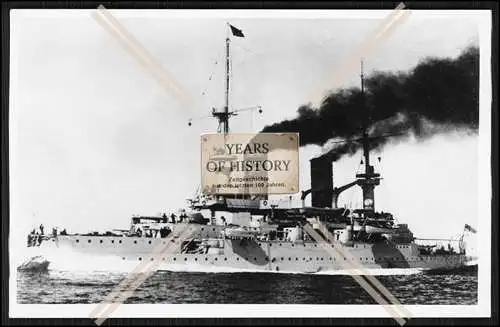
<point>37,263</point>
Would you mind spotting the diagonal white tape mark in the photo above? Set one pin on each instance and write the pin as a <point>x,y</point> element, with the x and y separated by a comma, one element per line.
<point>364,50</point>
<point>141,54</point>
<point>368,47</point>
<point>364,272</point>
<point>142,271</point>
<point>358,273</point>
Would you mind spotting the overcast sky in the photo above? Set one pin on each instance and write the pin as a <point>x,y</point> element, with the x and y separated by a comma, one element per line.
<point>95,139</point>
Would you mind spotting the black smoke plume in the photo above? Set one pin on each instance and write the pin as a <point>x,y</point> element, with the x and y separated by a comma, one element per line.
<point>438,95</point>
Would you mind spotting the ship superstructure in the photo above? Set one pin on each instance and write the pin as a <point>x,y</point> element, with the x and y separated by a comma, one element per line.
<point>253,232</point>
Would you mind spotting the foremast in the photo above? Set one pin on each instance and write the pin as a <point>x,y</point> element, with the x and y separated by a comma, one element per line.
<point>223,116</point>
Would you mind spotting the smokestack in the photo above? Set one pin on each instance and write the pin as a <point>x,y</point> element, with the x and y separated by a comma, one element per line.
<point>321,182</point>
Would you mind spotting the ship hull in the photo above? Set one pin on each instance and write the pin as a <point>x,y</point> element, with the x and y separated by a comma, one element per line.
<point>251,254</point>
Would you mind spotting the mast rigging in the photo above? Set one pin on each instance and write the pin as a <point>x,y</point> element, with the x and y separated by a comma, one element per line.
<point>224,115</point>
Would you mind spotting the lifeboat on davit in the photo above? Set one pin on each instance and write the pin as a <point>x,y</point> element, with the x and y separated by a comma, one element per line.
<point>378,230</point>
<point>240,232</point>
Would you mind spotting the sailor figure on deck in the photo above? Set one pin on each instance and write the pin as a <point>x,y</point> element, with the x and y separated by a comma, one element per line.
<point>183,216</point>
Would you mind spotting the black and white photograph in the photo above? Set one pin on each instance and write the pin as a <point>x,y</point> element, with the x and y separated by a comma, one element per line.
<point>352,176</point>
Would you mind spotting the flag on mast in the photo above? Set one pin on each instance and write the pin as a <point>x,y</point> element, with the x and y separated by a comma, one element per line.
<point>470,229</point>
<point>236,31</point>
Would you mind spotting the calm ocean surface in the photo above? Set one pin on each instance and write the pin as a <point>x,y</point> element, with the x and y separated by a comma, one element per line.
<point>457,287</point>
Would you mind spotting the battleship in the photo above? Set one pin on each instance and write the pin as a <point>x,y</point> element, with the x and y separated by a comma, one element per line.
<point>252,232</point>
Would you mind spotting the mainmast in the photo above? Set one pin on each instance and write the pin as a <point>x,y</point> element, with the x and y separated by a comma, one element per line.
<point>369,179</point>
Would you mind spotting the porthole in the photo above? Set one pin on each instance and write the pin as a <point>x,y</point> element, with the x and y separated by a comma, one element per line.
<point>206,259</point>
<point>185,259</point>
<point>53,240</point>
<point>237,259</point>
<point>135,242</point>
<point>292,245</point>
<point>149,242</point>
<point>315,245</point>
<point>195,259</point>
<point>296,258</point>
<point>90,241</point>
<point>215,259</point>
<point>100,241</point>
<point>112,241</point>
<point>152,259</point>
<point>120,241</point>
<point>175,259</point>
<point>213,229</point>
<point>202,229</point>
<point>77,241</point>
<point>225,259</point>
<point>304,259</point>
<point>289,258</point>
<point>282,258</point>
<point>140,258</point>
<point>163,258</point>
<point>280,244</point>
